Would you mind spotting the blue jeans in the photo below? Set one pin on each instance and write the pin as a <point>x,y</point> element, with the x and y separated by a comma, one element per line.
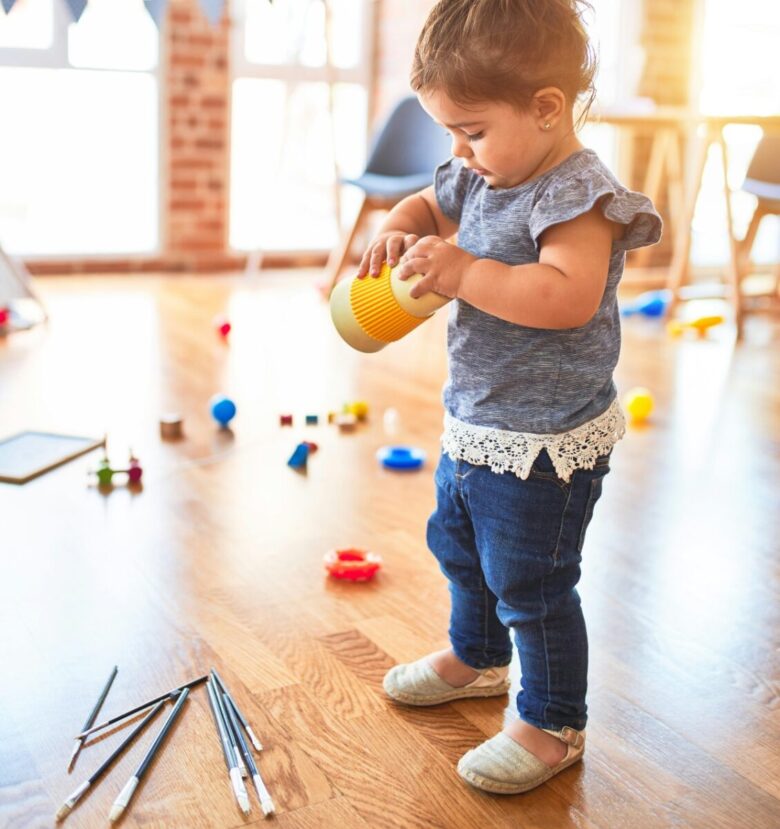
<point>511,550</point>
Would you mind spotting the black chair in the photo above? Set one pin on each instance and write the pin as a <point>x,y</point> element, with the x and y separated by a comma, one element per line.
<point>405,152</point>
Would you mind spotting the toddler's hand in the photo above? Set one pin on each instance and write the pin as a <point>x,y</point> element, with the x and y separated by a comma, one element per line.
<point>441,264</point>
<point>387,247</point>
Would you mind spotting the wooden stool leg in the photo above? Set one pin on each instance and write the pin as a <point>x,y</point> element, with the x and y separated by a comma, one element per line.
<point>745,246</point>
<point>678,270</point>
<point>652,184</point>
<point>674,183</point>
<point>732,268</point>
<point>340,253</point>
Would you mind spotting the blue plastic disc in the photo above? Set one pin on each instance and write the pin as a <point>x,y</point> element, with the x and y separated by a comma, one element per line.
<point>401,457</point>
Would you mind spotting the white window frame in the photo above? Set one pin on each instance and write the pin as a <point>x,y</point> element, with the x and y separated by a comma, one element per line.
<point>56,57</point>
<point>292,75</point>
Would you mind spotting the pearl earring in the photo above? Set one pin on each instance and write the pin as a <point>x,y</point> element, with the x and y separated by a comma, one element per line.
<point>547,125</point>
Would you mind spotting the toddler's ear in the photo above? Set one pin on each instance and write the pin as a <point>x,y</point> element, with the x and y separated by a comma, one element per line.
<point>548,105</point>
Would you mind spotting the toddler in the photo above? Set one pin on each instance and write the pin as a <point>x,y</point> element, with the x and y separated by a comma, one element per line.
<point>533,338</point>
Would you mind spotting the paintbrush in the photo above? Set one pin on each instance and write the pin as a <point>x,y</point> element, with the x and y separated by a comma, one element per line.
<point>255,742</point>
<point>227,750</point>
<point>266,804</point>
<point>73,798</point>
<point>91,718</point>
<point>122,801</point>
<point>172,693</point>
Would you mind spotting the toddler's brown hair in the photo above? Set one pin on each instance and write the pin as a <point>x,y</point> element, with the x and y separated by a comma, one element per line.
<point>505,50</point>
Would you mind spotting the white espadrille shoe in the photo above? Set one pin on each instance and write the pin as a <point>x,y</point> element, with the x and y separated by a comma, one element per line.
<point>502,766</point>
<point>416,683</point>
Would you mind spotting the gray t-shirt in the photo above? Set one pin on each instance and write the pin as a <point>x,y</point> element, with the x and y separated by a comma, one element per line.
<point>507,376</point>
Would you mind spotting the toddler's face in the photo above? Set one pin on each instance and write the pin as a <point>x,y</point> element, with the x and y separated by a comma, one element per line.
<point>494,139</point>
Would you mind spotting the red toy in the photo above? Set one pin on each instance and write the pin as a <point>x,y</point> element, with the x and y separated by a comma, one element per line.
<point>286,420</point>
<point>352,565</point>
<point>222,324</point>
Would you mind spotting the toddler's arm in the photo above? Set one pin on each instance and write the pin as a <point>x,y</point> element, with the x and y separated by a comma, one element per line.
<point>413,217</point>
<point>563,290</point>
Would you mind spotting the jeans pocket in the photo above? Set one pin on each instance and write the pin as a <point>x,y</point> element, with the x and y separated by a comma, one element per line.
<point>594,493</point>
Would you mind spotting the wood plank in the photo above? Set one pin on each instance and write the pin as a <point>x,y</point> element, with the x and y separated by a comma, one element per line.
<point>336,812</point>
<point>218,561</point>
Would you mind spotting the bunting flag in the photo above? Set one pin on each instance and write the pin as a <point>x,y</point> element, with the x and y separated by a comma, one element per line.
<point>76,8</point>
<point>156,9</point>
<point>213,9</point>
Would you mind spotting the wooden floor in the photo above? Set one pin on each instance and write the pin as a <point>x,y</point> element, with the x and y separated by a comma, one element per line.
<point>218,562</point>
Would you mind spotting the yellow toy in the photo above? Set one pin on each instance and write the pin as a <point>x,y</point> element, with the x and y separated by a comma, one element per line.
<point>371,312</point>
<point>700,325</point>
<point>639,403</point>
<point>359,408</point>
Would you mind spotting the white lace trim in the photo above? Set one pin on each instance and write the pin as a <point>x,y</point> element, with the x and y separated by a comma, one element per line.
<point>505,451</point>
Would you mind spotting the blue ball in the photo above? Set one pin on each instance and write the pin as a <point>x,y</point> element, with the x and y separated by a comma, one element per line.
<point>223,409</point>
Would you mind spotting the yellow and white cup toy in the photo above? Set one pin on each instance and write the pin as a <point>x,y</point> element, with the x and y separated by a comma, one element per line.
<point>371,312</point>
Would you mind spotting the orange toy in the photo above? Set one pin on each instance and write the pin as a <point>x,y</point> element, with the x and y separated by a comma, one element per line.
<point>352,565</point>
<point>700,325</point>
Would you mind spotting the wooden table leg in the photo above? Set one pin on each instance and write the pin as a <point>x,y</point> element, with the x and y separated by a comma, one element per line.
<point>678,270</point>
<point>674,182</point>
<point>652,185</point>
<point>732,267</point>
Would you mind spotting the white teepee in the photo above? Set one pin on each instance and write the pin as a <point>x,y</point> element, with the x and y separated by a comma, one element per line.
<point>16,293</point>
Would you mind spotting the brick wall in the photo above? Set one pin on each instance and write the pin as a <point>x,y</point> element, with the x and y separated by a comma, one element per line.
<point>667,33</point>
<point>196,119</point>
<point>399,23</point>
<point>195,136</point>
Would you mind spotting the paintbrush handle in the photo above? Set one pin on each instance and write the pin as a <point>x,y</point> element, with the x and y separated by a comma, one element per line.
<point>72,799</point>
<point>239,790</point>
<point>161,698</point>
<point>101,699</point>
<point>166,727</point>
<point>230,696</point>
<point>240,741</point>
<point>227,749</point>
<point>125,796</point>
<point>126,742</point>
<point>239,713</point>
<point>91,718</point>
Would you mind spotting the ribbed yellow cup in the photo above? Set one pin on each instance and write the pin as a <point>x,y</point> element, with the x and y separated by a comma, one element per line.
<point>377,310</point>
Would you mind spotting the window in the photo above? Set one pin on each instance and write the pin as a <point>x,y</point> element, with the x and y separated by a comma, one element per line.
<point>298,120</point>
<point>80,140</point>
<point>739,74</point>
<point>613,28</point>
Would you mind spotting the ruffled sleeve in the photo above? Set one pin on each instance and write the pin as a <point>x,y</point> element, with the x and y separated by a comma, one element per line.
<point>451,183</point>
<point>565,199</point>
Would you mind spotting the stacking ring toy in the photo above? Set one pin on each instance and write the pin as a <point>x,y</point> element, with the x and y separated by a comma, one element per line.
<point>351,564</point>
<point>401,457</point>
